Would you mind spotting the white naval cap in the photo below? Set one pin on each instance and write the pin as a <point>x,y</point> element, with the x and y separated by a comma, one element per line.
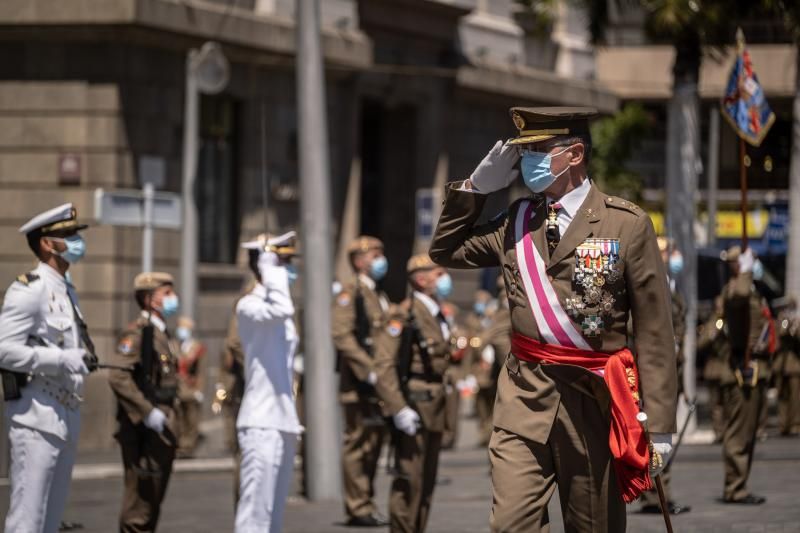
<point>63,217</point>
<point>264,240</point>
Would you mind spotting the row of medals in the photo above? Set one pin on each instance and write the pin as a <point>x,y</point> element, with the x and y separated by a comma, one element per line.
<point>596,267</point>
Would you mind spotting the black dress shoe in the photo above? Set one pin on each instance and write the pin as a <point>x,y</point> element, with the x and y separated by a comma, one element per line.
<point>750,499</point>
<point>674,509</point>
<point>70,526</point>
<point>368,520</point>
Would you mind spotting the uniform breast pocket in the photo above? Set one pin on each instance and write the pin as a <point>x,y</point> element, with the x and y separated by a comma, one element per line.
<point>59,331</point>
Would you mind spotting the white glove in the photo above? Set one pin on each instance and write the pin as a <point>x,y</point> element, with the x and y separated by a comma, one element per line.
<point>155,420</point>
<point>662,445</point>
<point>372,378</point>
<point>746,261</point>
<point>71,361</point>
<point>496,171</point>
<point>407,421</point>
<point>199,396</point>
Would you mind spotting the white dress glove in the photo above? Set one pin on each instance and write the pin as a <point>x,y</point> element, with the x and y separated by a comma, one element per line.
<point>407,421</point>
<point>662,445</point>
<point>71,361</point>
<point>496,171</point>
<point>746,261</point>
<point>155,420</point>
<point>372,378</point>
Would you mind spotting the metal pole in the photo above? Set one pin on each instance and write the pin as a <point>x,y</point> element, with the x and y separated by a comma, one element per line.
<point>148,192</point>
<point>324,476</point>
<point>713,175</point>
<point>188,281</point>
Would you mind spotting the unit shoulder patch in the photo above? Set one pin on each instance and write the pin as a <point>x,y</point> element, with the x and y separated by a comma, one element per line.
<point>125,346</point>
<point>625,205</point>
<point>394,328</point>
<point>343,299</point>
<point>28,278</point>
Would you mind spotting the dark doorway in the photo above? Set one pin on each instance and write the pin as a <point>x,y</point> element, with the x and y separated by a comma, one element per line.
<point>388,186</point>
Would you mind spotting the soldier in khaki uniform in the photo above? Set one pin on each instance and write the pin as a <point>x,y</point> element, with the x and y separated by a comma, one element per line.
<point>412,355</point>
<point>192,378</point>
<point>146,402</point>
<point>787,371</point>
<point>743,384</point>
<point>577,264</point>
<point>495,344</point>
<point>358,313</point>
<point>712,339</point>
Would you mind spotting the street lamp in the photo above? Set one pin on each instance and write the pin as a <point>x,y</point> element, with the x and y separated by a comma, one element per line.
<point>207,71</point>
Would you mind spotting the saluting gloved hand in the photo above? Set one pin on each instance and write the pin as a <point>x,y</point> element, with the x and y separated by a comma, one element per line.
<point>496,171</point>
<point>155,420</point>
<point>407,421</point>
<point>746,261</point>
<point>662,446</point>
<point>72,361</point>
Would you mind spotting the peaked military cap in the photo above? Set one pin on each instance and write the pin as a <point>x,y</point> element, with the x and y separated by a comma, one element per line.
<point>61,218</point>
<point>363,244</point>
<point>148,281</point>
<point>284,245</point>
<point>537,124</point>
<point>420,262</point>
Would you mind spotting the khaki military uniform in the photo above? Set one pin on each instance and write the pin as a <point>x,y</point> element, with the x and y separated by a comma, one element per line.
<point>742,403</point>
<point>552,421</point>
<point>461,335</point>
<point>364,428</point>
<point>417,457</point>
<point>787,373</point>
<point>191,373</point>
<point>713,340</point>
<point>146,455</point>
<point>494,347</point>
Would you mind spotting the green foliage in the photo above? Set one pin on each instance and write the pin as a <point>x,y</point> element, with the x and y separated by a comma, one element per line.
<point>614,139</point>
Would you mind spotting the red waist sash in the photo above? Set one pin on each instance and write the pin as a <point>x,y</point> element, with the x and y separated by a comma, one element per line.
<point>626,437</point>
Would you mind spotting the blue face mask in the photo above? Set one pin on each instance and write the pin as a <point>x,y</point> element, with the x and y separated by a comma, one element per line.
<point>479,308</point>
<point>758,270</point>
<point>536,171</point>
<point>170,305</point>
<point>291,270</point>
<point>183,334</point>
<point>378,268</point>
<point>675,264</point>
<point>444,286</point>
<point>76,248</point>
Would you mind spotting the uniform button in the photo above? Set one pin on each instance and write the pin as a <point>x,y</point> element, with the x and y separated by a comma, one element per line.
<point>550,278</point>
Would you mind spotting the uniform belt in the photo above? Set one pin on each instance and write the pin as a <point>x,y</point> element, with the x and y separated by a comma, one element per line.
<point>433,378</point>
<point>415,396</point>
<point>65,397</point>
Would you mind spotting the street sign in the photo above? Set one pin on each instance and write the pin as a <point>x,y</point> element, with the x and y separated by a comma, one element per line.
<point>125,207</point>
<point>426,213</point>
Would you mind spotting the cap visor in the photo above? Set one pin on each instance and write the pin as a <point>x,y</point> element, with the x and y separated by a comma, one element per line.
<point>530,139</point>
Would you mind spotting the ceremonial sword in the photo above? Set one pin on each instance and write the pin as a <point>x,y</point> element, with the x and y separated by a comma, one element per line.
<point>642,418</point>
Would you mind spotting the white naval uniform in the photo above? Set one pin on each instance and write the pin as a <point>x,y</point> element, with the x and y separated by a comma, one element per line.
<point>267,425</point>
<point>36,323</point>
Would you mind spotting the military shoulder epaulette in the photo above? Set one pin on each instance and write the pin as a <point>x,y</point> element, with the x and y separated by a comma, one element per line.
<point>27,278</point>
<point>621,203</point>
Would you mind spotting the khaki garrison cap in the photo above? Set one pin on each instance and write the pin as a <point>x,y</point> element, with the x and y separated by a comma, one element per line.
<point>148,281</point>
<point>420,262</point>
<point>731,254</point>
<point>537,124</point>
<point>61,218</point>
<point>364,244</point>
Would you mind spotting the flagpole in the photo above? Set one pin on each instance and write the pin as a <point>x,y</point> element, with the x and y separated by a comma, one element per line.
<point>743,187</point>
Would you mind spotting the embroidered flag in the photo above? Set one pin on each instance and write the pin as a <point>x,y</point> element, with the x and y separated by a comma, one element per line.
<point>744,104</point>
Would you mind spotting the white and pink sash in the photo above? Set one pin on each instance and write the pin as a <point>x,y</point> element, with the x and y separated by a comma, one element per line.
<point>555,327</point>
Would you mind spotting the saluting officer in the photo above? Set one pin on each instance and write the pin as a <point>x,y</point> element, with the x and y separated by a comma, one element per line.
<point>412,356</point>
<point>360,310</point>
<point>577,264</point>
<point>745,378</point>
<point>146,401</point>
<point>43,364</point>
<point>787,370</point>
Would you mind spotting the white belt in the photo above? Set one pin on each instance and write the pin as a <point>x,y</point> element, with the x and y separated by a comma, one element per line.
<point>64,396</point>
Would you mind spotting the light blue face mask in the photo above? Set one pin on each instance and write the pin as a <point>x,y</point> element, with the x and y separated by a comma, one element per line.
<point>183,333</point>
<point>479,308</point>
<point>291,270</point>
<point>444,286</point>
<point>758,270</point>
<point>76,248</point>
<point>170,305</point>
<point>378,268</point>
<point>536,171</point>
<point>675,264</point>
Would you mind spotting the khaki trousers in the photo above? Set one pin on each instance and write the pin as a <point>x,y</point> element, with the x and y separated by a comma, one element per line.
<point>189,423</point>
<point>742,411</point>
<point>484,407</point>
<point>576,459</point>
<point>789,404</point>
<point>364,433</point>
<point>417,461</point>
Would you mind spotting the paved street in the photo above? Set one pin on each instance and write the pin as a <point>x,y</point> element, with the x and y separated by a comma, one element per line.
<point>200,501</point>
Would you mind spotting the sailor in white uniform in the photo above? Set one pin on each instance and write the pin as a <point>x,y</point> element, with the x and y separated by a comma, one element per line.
<point>267,426</point>
<point>43,364</point>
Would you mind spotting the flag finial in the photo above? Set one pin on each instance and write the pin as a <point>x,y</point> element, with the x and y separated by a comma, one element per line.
<point>740,40</point>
